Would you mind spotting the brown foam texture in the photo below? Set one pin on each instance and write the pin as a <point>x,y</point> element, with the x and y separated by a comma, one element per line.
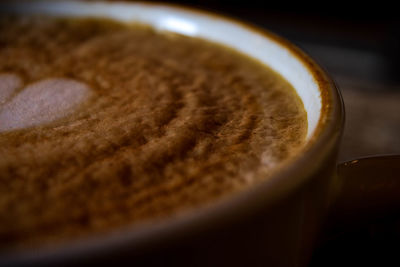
<point>171,123</point>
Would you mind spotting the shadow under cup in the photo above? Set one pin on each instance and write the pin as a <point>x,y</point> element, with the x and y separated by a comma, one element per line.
<point>275,223</point>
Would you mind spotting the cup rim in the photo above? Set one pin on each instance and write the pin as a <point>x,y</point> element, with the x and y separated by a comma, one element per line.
<point>295,173</point>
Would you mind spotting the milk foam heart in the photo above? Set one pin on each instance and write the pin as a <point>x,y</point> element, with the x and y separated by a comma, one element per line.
<point>38,103</point>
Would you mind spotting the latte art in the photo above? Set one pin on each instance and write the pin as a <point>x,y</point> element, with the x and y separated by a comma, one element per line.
<point>39,103</point>
<point>104,126</point>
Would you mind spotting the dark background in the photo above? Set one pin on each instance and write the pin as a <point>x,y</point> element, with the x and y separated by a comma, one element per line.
<point>358,44</point>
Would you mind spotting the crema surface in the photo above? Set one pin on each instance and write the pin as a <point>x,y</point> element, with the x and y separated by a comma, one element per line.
<point>104,125</point>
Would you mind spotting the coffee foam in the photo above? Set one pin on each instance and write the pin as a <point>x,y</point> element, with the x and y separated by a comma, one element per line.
<point>9,83</point>
<point>172,123</point>
<point>38,103</point>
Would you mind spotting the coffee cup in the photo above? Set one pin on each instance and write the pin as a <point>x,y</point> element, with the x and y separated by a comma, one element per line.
<point>276,223</point>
